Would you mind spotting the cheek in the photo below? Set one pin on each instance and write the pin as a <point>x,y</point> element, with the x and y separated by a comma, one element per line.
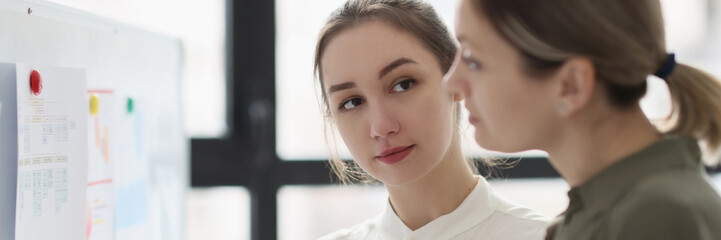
<point>487,98</point>
<point>501,102</point>
<point>351,129</point>
<point>518,107</point>
<point>432,118</point>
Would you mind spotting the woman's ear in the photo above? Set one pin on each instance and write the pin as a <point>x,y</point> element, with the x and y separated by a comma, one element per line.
<point>576,81</point>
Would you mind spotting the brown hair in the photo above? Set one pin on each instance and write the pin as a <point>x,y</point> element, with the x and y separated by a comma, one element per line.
<point>416,17</point>
<point>624,40</point>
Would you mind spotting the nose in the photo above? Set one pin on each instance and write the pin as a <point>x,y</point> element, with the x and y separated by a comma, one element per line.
<point>383,122</point>
<point>452,80</point>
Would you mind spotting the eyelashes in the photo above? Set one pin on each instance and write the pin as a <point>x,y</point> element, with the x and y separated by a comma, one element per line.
<point>404,85</point>
<point>350,104</point>
<point>353,102</point>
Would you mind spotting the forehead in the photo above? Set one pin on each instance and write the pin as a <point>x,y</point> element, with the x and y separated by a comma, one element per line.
<point>473,29</point>
<point>363,50</point>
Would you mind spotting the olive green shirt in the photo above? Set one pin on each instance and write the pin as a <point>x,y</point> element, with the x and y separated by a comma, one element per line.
<point>661,192</point>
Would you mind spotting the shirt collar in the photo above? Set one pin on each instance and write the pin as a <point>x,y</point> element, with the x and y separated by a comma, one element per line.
<point>601,191</point>
<point>476,208</point>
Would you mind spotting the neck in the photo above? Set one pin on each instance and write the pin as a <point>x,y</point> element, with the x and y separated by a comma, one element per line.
<point>587,149</point>
<point>437,193</point>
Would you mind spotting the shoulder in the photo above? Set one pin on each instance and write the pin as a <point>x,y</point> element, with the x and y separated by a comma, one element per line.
<point>509,226</point>
<point>519,224</point>
<point>686,191</point>
<point>680,205</point>
<point>654,220</point>
<point>364,230</point>
<point>512,221</point>
<point>517,213</point>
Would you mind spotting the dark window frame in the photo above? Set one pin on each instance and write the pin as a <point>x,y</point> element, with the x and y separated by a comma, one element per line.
<point>246,156</point>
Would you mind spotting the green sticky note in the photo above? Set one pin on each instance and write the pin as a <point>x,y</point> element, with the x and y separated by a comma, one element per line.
<point>130,105</point>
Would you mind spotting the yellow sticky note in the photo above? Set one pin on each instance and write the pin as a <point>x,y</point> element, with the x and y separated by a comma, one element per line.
<point>94,105</point>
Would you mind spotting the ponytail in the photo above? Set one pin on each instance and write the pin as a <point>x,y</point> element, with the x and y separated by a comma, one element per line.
<point>696,97</point>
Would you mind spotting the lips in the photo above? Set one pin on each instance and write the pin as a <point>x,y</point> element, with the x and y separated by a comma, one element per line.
<point>472,120</point>
<point>396,154</point>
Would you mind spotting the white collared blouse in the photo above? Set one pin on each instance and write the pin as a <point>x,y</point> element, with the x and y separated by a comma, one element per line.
<point>482,215</point>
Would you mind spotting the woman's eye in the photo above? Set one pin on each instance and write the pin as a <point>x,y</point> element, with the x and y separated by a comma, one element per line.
<point>350,103</point>
<point>404,85</point>
<point>472,63</point>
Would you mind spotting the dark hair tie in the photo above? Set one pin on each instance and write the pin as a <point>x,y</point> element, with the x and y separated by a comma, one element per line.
<point>667,67</point>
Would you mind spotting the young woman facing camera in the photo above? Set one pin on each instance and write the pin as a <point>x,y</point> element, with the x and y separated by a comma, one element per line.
<point>380,66</point>
<point>566,77</point>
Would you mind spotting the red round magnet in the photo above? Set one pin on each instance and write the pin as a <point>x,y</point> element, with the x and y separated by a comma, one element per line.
<point>36,82</point>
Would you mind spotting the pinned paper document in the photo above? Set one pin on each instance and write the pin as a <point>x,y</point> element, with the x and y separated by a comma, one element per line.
<point>102,157</point>
<point>52,157</point>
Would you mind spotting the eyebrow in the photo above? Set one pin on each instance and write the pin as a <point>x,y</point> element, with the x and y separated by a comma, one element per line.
<point>394,65</point>
<point>463,40</point>
<point>339,87</point>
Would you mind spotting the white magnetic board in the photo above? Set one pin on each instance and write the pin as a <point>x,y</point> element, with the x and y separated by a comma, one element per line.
<point>126,60</point>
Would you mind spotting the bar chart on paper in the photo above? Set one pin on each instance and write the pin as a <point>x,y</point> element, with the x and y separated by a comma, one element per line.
<point>118,167</point>
<point>101,160</point>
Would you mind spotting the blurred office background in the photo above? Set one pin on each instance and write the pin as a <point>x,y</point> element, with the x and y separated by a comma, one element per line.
<point>258,149</point>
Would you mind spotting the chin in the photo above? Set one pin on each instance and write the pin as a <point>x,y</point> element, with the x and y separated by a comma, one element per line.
<point>402,177</point>
<point>398,179</point>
